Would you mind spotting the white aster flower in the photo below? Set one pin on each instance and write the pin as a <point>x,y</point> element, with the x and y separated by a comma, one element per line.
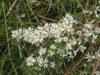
<point>52,46</point>
<point>87,33</point>
<point>88,26</point>
<point>90,57</point>
<point>97,30</point>
<point>39,61</point>
<point>87,11</point>
<point>51,53</point>
<point>82,48</point>
<point>58,40</point>
<point>16,35</point>
<point>42,51</point>
<point>65,39</point>
<point>52,64</point>
<point>72,41</point>
<point>94,38</point>
<point>30,61</point>
<point>45,63</point>
<point>97,72</point>
<point>68,46</point>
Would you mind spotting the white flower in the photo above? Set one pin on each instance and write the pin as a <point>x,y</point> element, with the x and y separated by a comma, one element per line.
<point>64,22</point>
<point>94,38</point>
<point>30,61</point>
<point>52,46</point>
<point>42,51</point>
<point>65,39</point>
<point>54,30</point>
<point>82,48</point>
<point>28,31</point>
<point>68,46</point>
<point>97,72</point>
<point>61,52</point>
<point>39,61</point>
<point>87,33</point>
<point>51,53</point>
<point>88,26</point>
<point>97,15</point>
<point>58,40</point>
<point>52,64</point>
<point>45,63</point>
<point>90,57</point>
<point>72,41</point>
<point>87,12</point>
<point>47,27</point>
<point>97,54</point>
<point>97,30</point>
<point>75,52</point>
<point>27,38</point>
<point>32,39</point>
<point>17,34</point>
<point>69,53</point>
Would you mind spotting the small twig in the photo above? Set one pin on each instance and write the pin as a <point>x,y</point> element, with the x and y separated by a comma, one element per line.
<point>11,7</point>
<point>95,66</point>
<point>77,63</point>
<point>66,69</point>
<point>87,2</point>
<point>20,53</point>
<point>32,12</point>
<point>47,18</point>
<point>82,10</point>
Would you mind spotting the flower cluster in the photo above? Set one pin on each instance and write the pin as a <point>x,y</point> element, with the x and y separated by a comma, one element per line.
<point>89,31</point>
<point>51,30</point>
<point>40,60</point>
<point>95,12</point>
<point>67,41</point>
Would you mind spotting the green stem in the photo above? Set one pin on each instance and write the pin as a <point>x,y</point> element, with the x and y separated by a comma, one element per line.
<point>7,37</point>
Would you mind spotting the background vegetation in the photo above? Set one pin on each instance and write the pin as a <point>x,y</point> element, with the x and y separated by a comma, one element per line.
<point>15,14</point>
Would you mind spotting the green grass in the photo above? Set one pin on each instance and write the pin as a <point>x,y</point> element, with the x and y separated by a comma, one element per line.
<point>24,14</point>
